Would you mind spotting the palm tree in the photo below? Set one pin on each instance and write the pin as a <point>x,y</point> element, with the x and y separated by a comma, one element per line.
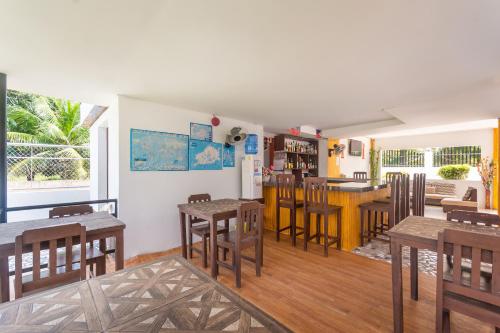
<point>38,119</point>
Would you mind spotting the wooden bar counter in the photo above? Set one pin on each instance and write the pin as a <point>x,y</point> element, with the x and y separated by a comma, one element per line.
<point>349,195</point>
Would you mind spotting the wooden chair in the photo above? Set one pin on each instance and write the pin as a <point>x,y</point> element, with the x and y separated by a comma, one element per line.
<point>386,212</point>
<point>469,292</point>
<point>248,233</point>
<point>200,228</point>
<point>418,199</point>
<point>390,175</point>
<point>97,255</point>
<point>285,198</point>
<point>316,202</point>
<point>61,269</point>
<point>465,216</point>
<point>359,175</point>
<point>70,211</point>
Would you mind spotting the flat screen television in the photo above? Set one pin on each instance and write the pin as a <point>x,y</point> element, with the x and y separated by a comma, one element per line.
<point>355,147</point>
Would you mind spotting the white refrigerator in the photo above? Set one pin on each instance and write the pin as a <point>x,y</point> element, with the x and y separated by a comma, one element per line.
<point>251,178</point>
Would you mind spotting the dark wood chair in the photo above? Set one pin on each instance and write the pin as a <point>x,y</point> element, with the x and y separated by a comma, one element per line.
<point>61,269</point>
<point>285,198</point>
<point>248,233</point>
<point>418,198</point>
<point>360,175</point>
<point>316,202</point>
<point>97,255</point>
<point>468,291</point>
<point>389,175</point>
<point>466,216</point>
<point>385,212</point>
<point>201,228</point>
<point>70,211</point>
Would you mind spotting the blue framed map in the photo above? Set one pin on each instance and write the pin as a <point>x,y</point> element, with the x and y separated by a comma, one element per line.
<point>204,155</point>
<point>158,151</point>
<point>228,158</point>
<point>201,132</point>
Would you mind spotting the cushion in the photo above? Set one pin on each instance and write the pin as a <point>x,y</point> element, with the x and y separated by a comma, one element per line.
<point>438,196</point>
<point>468,194</point>
<point>430,190</point>
<point>458,202</point>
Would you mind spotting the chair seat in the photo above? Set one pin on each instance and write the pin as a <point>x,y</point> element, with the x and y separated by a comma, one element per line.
<point>379,206</point>
<point>231,240</point>
<point>289,203</point>
<point>383,200</point>
<point>321,209</point>
<point>480,310</point>
<point>203,230</point>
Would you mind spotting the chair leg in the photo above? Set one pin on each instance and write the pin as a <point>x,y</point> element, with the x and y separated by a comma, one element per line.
<point>325,237</point>
<point>204,251</point>
<point>446,321</point>
<point>101,266</point>
<point>237,255</point>
<point>339,229</point>
<point>190,242</point>
<point>497,329</point>
<point>258,257</point>
<point>293,230</point>
<point>306,229</point>
<point>278,213</point>
<point>362,227</point>
<point>318,228</point>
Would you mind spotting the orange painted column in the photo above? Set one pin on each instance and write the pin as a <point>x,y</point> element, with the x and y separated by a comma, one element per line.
<point>333,165</point>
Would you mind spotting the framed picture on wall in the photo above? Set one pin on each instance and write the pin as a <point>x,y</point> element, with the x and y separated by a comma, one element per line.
<point>204,155</point>
<point>229,157</point>
<point>201,132</point>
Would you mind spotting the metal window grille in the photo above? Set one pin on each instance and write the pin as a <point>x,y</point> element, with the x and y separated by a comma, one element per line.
<point>412,158</point>
<point>470,155</point>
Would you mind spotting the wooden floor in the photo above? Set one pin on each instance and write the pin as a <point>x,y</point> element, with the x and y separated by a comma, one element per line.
<point>341,293</point>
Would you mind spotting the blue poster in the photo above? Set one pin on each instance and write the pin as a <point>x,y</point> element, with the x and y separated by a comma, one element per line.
<point>204,155</point>
<point>201,132</point>
<point>158,151</point>
<point>251,144</point>
<point>228,157</point>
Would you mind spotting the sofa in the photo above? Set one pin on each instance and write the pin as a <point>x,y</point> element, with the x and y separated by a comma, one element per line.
<point>467,202</point>
<point>435,191</point>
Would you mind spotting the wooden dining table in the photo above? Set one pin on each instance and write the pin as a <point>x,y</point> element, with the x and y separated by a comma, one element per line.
<point>418,232</point>
<point>99,225</point>
<point>213,212</point>
<point>165,295</point>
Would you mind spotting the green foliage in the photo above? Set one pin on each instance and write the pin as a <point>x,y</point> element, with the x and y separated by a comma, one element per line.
<point>454,171</point>
<point>374,163</point>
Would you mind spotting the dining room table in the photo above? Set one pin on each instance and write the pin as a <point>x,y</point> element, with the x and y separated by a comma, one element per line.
<point>419,232</point>
<point>165,295</point>
<point>213,212</point>
<point>99,226</point>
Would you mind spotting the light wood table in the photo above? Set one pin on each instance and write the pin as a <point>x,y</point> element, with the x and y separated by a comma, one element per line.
<point>418,232</point>
<point>168,294</point>
<point>99,226</point>
<point>213,212</point>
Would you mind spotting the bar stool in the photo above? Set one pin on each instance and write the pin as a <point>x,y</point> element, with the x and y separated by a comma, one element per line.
<point>285,198</point>
<point>316,202</point>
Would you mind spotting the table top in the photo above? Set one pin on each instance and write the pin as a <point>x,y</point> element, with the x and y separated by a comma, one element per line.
<point>93,222</point>
<point>166,294</point>
<point>211,209</point>
<point>426,229</point>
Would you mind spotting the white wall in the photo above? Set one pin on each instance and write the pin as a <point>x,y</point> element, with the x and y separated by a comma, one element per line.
<point>148,200</point>
<point>349,164</point>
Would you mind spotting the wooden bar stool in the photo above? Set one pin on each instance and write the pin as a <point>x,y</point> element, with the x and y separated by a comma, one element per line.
<point>316,202</point>
<point>197,227</point>
<point>285,198</point>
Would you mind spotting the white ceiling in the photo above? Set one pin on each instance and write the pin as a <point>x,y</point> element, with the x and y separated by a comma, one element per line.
<point>348,65</point>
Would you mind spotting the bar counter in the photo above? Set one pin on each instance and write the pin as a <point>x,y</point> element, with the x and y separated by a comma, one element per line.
<point>349,195</point>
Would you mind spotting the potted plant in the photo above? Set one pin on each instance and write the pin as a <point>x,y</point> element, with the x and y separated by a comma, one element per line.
<point>374,163</point>
<point>266,173</point>
<point>454,172</point>
<point>487,170</point>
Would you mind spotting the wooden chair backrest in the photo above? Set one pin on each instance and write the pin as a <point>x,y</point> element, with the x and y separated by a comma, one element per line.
<point>389,175</point>
<point>285,187</point>
<point>400,199</point>
<point>473,217</point>
<point>478,248</point>
<point>360,175</point>
<point>37,239</point>
<point>418,194</point>
<point>250,222</point>
<point>316,192</point>
<point>70,211</point>
<point>193,198</point>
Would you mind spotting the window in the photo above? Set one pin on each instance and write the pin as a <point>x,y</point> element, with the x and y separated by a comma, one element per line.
<point>470,155</point>
<point>412,158</point>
